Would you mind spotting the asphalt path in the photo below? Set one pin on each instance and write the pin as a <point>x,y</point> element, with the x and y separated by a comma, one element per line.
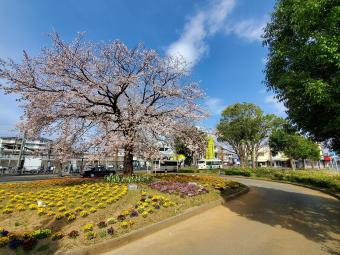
<point>272,218</point>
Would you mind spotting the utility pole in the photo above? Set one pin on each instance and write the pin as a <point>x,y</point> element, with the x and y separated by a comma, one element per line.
<point>20,165</point>
<point>49,157</point>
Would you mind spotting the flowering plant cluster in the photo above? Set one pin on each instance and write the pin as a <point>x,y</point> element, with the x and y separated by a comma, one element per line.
<point>57,236</point>
<point>115,178</point>
<point>145,206</point>
<point>186,189</point>
<point>62,202</point>
<point>25,240</point>
<point>73,234</point>
<point>213,182</point>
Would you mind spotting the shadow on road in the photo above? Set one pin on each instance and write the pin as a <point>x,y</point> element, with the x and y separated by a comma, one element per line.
<point>317,218</point>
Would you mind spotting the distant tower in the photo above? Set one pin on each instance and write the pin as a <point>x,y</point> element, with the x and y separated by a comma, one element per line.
<point>210,152</point>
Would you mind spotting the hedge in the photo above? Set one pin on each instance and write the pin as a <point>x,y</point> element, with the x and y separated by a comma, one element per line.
<point>317,178</point>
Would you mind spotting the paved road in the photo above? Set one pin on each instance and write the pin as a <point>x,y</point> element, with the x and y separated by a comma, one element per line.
<point>273,218</point>
<point>27,178</point>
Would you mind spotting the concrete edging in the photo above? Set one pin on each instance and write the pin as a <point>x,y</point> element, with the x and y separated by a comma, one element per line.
<point>287,182</point>
<point>106,246</point>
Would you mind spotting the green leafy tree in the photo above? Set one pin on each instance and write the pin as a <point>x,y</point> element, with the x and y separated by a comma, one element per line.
<point>245,128</point>
<point>304,62</point>
<point>293,145</point>
<point>181,148</point>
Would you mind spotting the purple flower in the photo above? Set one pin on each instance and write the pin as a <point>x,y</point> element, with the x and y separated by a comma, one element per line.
<point>4,233</point>
<point>183,189</point>
<point>134,213</point>
<point>110,231</point>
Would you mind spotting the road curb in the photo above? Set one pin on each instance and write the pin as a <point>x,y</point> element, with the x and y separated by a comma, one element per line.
<point>145,231</point>
<point>287,182</point>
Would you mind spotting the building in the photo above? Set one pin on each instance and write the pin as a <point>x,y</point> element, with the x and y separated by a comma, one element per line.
<point>18,152</point>
<point>266,159</point>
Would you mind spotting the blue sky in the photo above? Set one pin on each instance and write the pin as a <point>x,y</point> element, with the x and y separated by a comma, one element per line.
<point>220,38</point>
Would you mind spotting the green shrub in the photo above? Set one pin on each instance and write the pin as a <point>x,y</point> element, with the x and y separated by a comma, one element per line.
<point>187,170</point>
<point>317,178</point>
<point>209,171</point>
<point>237,171</point>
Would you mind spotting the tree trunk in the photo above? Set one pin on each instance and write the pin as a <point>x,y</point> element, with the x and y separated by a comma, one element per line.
<point>128,160</point>
<point>61,170</point>
<point>243,160</point>
<point>313,165</point>
<point>253,159</point>
<point>292,163</point>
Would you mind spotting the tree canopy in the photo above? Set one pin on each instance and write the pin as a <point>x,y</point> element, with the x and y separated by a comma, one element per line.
<point>304,63</point>
<point>245,128</point>
<point>293,145</point>
<point>100,96</point>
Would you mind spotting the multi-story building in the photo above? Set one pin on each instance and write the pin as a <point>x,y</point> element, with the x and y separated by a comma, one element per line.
<point>18,152</point>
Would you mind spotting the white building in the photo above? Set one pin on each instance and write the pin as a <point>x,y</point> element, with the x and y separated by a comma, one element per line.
<point>17,152</point>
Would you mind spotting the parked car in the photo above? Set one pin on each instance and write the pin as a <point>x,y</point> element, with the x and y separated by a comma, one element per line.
<point>97,171</point>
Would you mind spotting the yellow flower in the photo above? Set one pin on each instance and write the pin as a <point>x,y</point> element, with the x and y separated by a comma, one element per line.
<point>62,209</point>
<point>33,206</point>
<point>126,212</point>
<point>84,213</point>
<point>78,209</point>
<point>101,205</point>
<point>50,213</point>
<point>87,205</point>
<point>4,240</point>
<point>7,210</point>
<point>41,211</point>
<point>60,203</point>
<point>71,217</point>
<point>59,216</point>
<point>68,213</point>
<point>124,224</point>
<point>20,207</point>
<point>88,227</point>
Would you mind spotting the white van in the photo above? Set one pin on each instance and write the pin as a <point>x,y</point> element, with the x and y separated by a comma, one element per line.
<point>209,164</point>
<point>165,166</point>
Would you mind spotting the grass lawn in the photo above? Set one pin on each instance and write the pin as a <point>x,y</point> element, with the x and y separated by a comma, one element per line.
<point>41,217</point>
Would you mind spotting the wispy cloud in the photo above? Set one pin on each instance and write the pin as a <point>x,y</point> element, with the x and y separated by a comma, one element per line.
<point>192,44</point>
<point>278,107</point>
<point>250,29</point>
<point>214,105</point>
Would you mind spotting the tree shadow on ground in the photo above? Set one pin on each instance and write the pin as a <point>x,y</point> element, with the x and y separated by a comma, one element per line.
<point>315,217</point>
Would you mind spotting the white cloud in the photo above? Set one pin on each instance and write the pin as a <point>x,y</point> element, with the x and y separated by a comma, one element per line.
<point>192,43</point>
<point>250,29</point>
<point>214,105</point>
<point>279,108</point>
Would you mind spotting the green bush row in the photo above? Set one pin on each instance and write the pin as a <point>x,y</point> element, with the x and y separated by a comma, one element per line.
<point>317,178</point>
<point>195,170</point>
<point>236,171</point>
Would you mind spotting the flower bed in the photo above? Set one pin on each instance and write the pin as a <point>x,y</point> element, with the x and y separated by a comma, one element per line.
<point>67,213</point>
<point>208,181</point>
<point>183,188</point>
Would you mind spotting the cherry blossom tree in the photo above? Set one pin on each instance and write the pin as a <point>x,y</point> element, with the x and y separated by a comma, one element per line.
<point>97,97</point>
